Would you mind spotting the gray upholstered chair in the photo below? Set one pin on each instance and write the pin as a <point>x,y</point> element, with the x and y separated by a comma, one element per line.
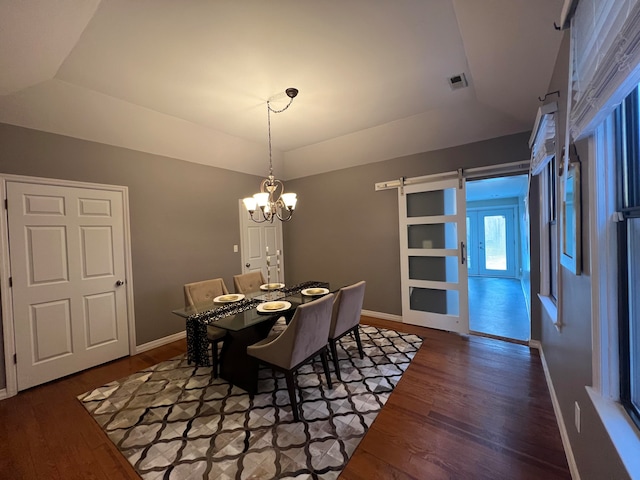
<point>345,318</point>
<point>248,282</point>
<point>304,338</point>
<point>199,293</point>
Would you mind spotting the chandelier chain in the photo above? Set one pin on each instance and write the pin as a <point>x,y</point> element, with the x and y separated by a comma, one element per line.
<point>269,128</point>
<point>283,108</point>
<point>269,110</point>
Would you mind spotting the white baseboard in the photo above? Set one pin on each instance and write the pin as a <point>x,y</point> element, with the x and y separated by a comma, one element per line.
<point>573,467</point>
<point>3,394</point>
<point>161,341</point>
<point>382,316</point>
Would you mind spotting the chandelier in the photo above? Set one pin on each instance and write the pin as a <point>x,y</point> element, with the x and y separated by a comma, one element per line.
<point>272,201</point>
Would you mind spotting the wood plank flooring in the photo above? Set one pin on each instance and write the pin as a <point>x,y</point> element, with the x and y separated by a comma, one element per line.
<point>467,407</point>
<point>45,433</point>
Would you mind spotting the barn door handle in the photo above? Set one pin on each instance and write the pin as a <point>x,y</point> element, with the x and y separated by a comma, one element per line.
<point>462,257</point>
<point>119,283</point>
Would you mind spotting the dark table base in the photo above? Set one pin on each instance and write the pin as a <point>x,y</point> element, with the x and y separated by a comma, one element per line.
<point>235,365</point>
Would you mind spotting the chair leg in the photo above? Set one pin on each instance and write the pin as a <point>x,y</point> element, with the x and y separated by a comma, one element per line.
<point>334,355</point>
<point>325,364</point>
<point>356,333</point>
<point>291,386</point>
<point>214,363</point>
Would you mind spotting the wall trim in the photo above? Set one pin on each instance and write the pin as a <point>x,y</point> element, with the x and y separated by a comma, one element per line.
<point>3,394</point>
<point>573,467</point>
<point>160,342</point>
<point>382,315</point>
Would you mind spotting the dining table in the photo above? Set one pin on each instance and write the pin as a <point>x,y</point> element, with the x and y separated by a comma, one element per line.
<point>246,321</point>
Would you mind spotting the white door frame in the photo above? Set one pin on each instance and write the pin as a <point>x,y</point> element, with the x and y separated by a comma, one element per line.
<point>6,305</point>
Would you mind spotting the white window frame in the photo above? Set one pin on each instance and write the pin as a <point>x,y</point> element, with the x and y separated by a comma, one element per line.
<point>544,145</point>
<point>604,392</point>
<point>549,303</point>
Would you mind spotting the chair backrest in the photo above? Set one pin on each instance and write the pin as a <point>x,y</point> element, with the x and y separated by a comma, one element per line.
<point>307,333</point>
<point>203,292</point>
<point>248,282</point>
<point>347,308</point>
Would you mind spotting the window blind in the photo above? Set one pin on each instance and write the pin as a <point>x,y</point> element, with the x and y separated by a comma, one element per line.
<point>605,43</point>
<point>543,138</point>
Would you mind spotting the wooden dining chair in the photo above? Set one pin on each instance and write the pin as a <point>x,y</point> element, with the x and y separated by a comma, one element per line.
<point>248,282</point>
<point>198,293</point>
<point>345,318</point>
<point>304,338</point>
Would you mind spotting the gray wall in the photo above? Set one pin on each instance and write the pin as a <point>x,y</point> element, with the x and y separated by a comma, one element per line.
<point>184,216</point>
<point>568,352</point>
<point>345,231</point>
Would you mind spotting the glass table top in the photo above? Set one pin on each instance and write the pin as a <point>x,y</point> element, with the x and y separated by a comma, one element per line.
<point>251,316</point>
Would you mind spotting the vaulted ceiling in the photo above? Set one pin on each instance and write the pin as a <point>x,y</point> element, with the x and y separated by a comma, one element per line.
<point>189,79</point>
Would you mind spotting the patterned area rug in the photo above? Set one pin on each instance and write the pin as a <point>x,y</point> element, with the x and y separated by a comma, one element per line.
<point>174,421</point>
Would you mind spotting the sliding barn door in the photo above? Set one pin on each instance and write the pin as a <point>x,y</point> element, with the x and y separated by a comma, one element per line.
<point>433,255</point>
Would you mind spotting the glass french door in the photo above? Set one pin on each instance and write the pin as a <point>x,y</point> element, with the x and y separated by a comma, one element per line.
<point>491,242</point>
<point>433,255</point>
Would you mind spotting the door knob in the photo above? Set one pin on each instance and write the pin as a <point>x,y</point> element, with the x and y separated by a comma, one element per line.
<point>247,265</point>
<point>119,283</point>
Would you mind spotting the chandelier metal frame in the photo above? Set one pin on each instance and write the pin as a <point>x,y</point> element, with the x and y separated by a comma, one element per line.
<point>272,202</point>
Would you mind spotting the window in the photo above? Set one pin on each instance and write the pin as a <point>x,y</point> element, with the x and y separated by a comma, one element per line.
<point>627,135</point>
<point>549,241</point>
<point>543,143</point>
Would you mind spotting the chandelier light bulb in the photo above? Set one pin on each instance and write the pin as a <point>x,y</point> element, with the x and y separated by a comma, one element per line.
<point>250,204</point>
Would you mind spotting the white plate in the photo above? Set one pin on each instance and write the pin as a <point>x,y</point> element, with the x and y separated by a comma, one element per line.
<point>315,291</point>
<point>229,298</point>
<point>271,307</point>
<point>271,286</point>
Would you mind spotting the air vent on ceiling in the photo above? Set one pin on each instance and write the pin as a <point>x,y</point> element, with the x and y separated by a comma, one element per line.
<point>458,81</point>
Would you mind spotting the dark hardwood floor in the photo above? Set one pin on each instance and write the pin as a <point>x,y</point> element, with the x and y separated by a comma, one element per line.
<point>467,407</point>
<point>45,433</point>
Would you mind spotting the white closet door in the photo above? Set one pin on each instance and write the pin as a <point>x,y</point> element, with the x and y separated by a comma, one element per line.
<point>68,273</point>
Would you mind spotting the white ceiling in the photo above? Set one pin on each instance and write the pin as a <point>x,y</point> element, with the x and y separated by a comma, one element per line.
<point>189,79</point>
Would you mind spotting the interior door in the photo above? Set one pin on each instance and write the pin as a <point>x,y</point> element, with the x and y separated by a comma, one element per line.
<point>68,271</point>
<point>255,239</point>
<point>491,242</point>
<point>433,255</point>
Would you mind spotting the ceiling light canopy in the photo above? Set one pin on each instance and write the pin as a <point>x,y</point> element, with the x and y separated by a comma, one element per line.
<point>271,201</point>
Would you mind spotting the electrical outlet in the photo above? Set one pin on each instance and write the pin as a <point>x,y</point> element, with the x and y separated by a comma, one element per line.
<point>235,249</point>
<point>577,416</point>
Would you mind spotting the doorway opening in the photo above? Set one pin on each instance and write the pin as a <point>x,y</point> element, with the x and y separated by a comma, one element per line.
<point>498,257</point>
